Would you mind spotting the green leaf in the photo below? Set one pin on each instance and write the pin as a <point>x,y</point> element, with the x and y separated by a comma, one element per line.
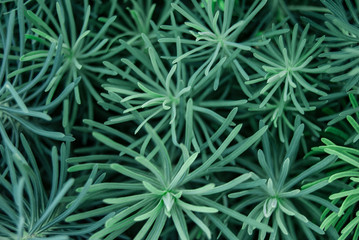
<point>349,158</point>
<point>234,214</point>
<point>112,144</point>
<point>216,154</point>
<point>313,169</point>
<point>229,185</point>
<point>16,96</point>
<point>199,223</point>
<point>187,164</point>
<point>195,208</point>
<point>127,200</point>
<point>150,214</point>
<point>180,223</point>
<point>354,123</point>
<point>222,226</point>
<point>146,163</point>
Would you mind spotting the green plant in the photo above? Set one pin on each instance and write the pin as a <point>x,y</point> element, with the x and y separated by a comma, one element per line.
<point>79,53</point>
<point>17,112</point>
<point>289,68</point>
<point>179,119</point>
<point>342,28</point>
<point>346,171</point>
<point>215,38</point>
<point>138,17</point>
<point>279,199</point>
<point>172,97</point>
<point>168,190</point>
<point>28,211</point>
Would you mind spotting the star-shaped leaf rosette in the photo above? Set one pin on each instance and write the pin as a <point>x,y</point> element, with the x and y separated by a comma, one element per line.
<point>282,200</point>
<point>292,70</point>
<point>162,184</point>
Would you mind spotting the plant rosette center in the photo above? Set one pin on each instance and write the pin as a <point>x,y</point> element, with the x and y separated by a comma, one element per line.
<point>169,199</point>
<point>270,204</point>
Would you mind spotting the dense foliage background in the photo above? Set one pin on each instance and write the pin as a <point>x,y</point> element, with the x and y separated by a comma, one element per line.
<point>222,119</point>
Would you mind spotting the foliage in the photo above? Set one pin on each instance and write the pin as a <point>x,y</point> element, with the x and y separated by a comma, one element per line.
<point>346,219</point>
<point>279,199</point>
<point>28,211</point>
<point>179,119</point>
<point>170,189</point>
